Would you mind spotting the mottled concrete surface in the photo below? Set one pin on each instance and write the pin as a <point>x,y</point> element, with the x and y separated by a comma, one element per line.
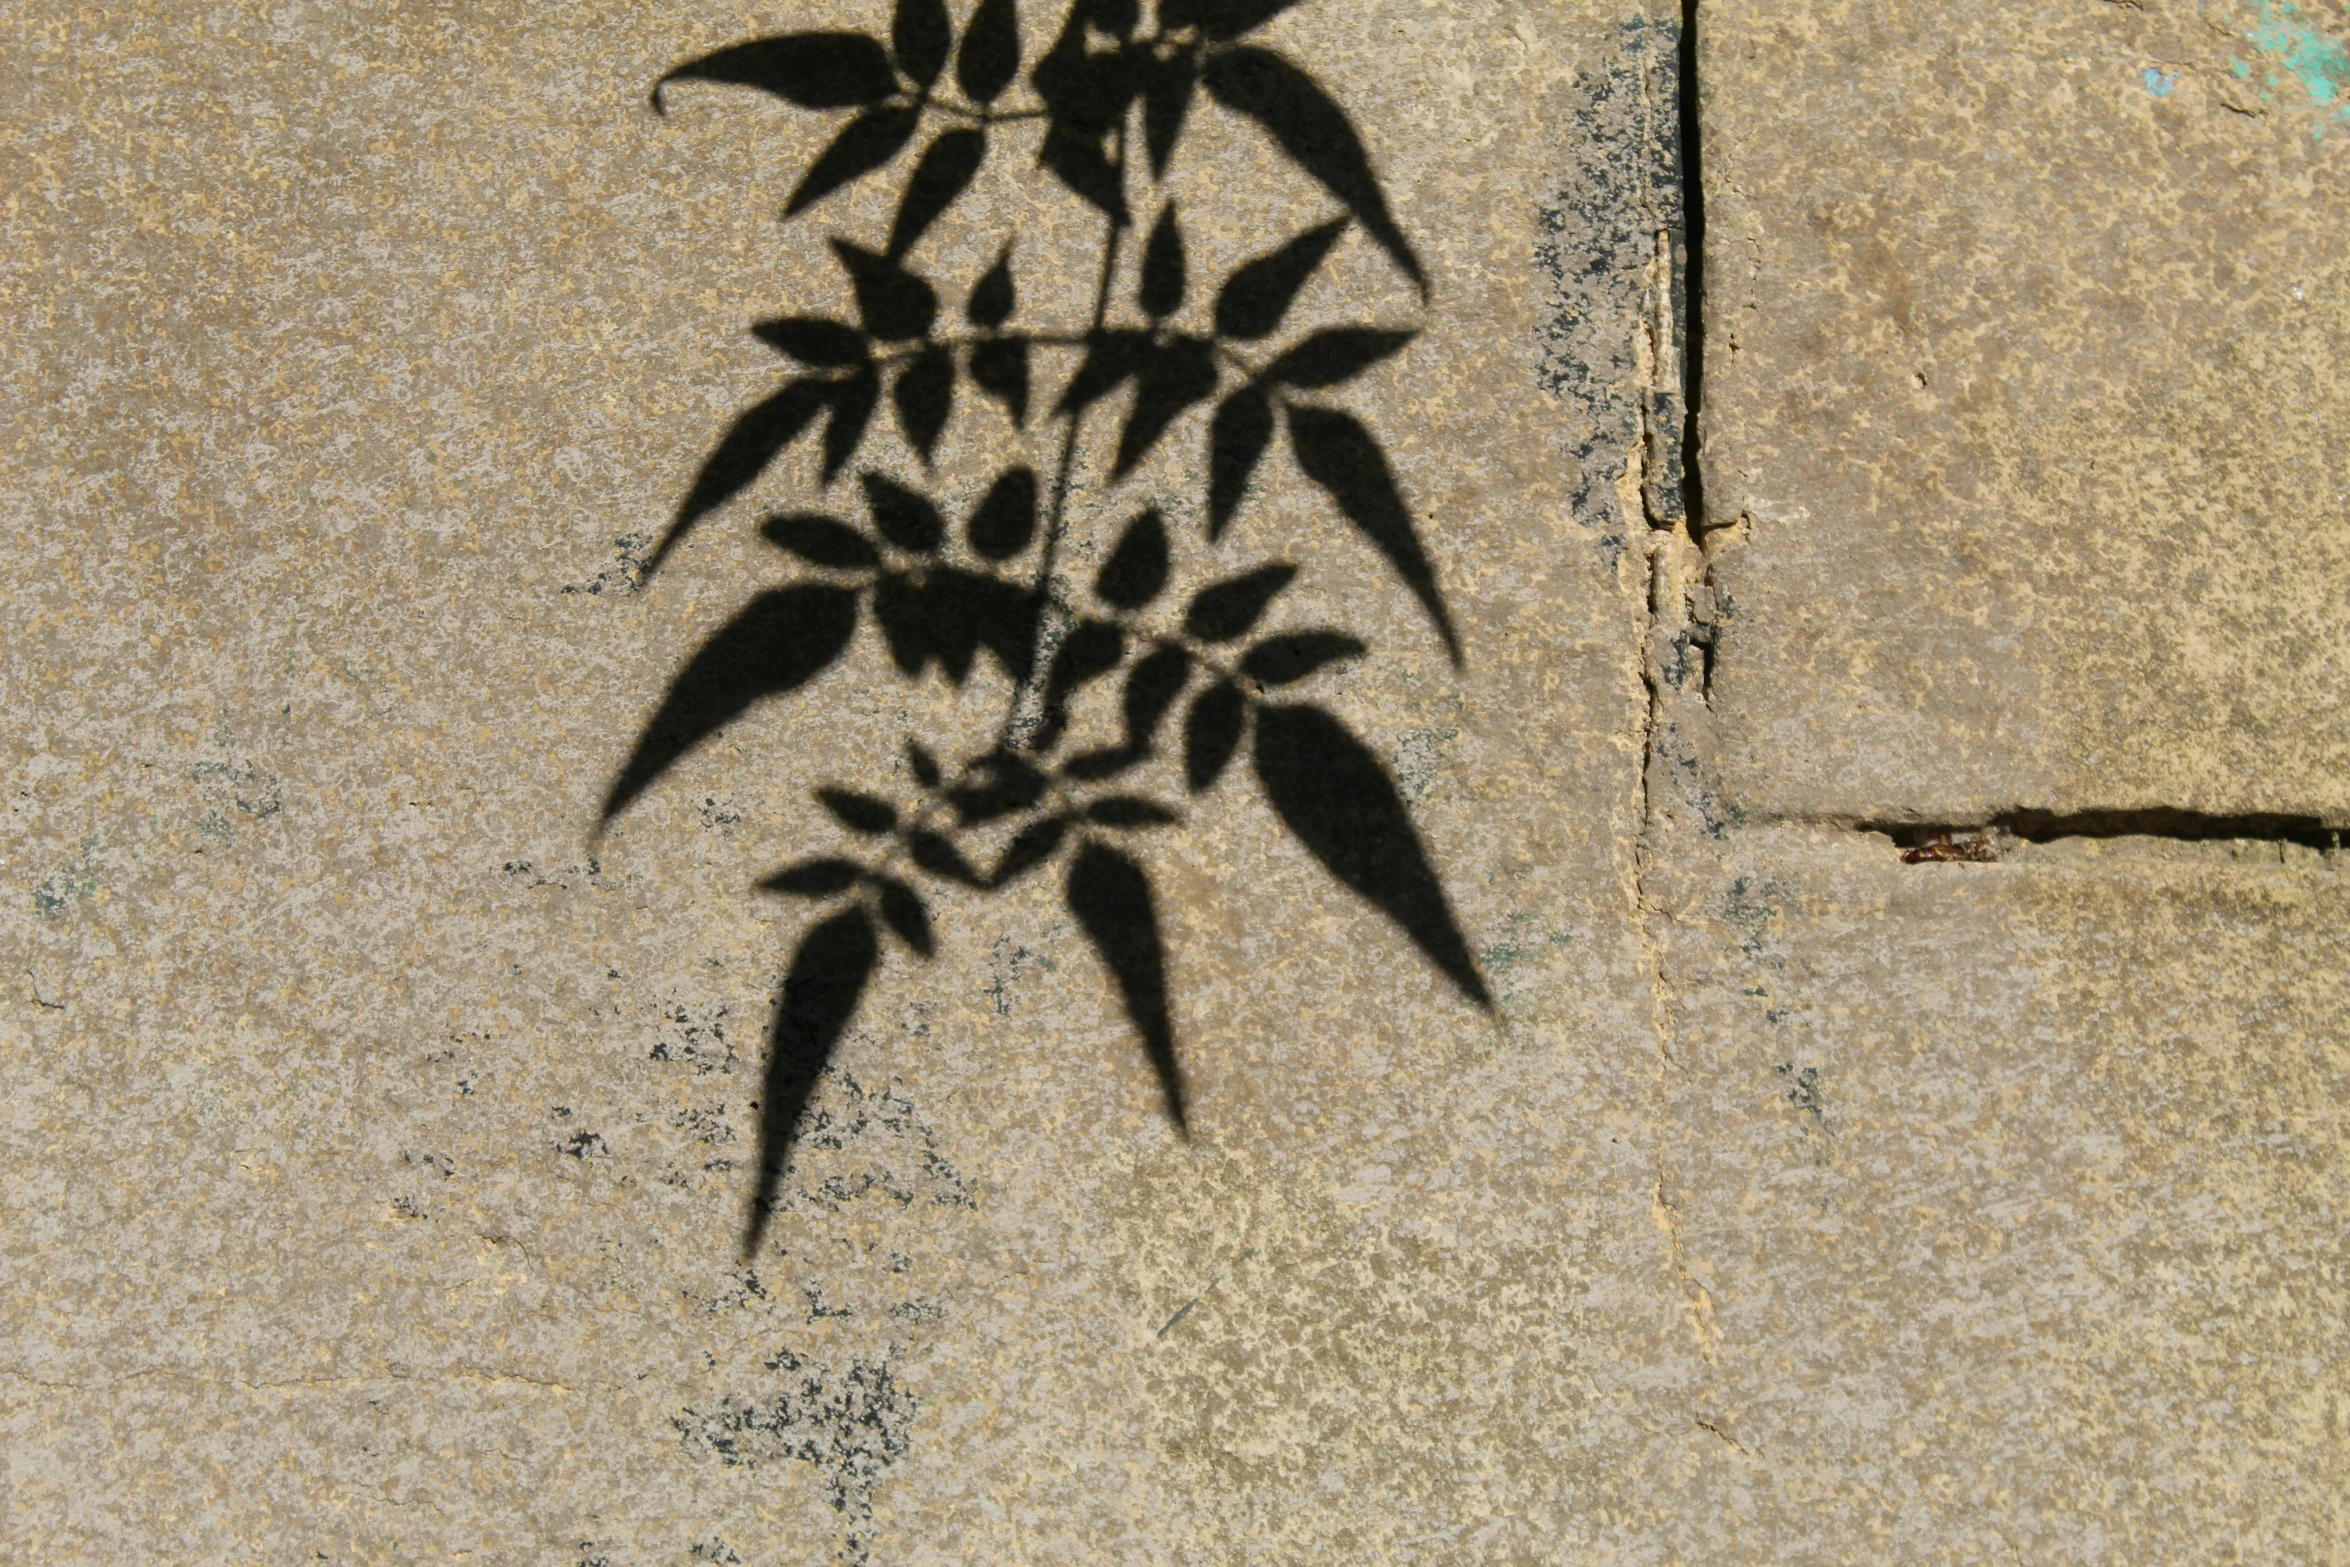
<point>2030,336</point>
<point>2016,1198</point>
<point>378,1136</point>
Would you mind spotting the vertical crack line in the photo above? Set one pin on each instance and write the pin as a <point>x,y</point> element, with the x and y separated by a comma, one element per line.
<point>1661,468</point>
<point>1691,313</point>
<point>1661,478</point>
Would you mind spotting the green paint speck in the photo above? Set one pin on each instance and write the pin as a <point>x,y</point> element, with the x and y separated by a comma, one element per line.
<point>2320,62</point>
<point>62,890</point>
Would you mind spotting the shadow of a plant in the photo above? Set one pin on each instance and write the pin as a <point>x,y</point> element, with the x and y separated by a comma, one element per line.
<point>944,599</point>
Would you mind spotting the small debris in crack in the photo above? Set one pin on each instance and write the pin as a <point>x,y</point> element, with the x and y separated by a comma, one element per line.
<point>1977,849</point>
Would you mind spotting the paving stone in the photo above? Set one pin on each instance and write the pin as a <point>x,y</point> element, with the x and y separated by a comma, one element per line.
<point>2025,408</point>
<point>2013,1196</point>
<point>382,1128</point>
<point>383,1134</point>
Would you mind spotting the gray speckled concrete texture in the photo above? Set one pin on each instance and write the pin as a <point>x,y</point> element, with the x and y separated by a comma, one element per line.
<point>2030,327</point>
<point>377,1136</point>
<point>2009,1173</point>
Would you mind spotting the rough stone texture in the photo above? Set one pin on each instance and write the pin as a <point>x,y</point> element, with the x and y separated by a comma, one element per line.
<point>2017,1199</point>
<point>2030,325</point>
<point>379,1142</point>
<point>2007,1173</point>
<point>378,1136</point>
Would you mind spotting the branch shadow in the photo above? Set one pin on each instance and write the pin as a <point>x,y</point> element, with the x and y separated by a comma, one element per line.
<point>1107,105</point>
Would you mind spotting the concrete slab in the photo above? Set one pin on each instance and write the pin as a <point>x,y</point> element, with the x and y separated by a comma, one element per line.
<point>2015,1194</point>
<point>383,1138</point>
<point>381,1133</point>
<point>2025,408</point>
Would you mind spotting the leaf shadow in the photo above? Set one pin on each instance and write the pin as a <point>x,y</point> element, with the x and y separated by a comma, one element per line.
<point>942,576</point>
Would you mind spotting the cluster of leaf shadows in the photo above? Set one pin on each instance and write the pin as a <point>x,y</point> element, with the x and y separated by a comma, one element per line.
<point>1106,105</point>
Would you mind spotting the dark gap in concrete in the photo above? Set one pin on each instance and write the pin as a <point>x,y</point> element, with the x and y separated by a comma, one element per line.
<point>1693,275</point>
<point>1954,841</point>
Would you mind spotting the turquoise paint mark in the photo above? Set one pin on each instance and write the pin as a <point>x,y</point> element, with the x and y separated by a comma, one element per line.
<point>67,887</point>
<point>2159,83</point>
<point>2318,61</point>
<point>2242,68</point>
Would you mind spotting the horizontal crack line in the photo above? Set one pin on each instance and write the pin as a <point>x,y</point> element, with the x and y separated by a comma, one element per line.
<point>2039,826</point>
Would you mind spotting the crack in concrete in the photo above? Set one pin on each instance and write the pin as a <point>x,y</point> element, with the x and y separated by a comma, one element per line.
<point>2181,826</point>
<point>1660,485</point>
<point>1704,1424</point>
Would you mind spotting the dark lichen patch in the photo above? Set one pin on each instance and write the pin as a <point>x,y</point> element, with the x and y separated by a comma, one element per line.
<point>525,873</point>
<point>1803,1087</point>
<point>1692,780</point>
<point>696,1038</point>
<point>1753,908</point>
<point>900,1158</point>
<point>742,1290</point>
<point>1011,965</point>
<point>585,1145</point>
<point>237,795</point>
<point>709,1126</point>
<point>624,574</point>
<point>850,1423</point>
<point>1618,203</point>
<point>61,890</point>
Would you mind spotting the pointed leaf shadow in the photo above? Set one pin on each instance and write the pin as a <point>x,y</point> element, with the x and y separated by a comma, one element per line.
<point>853,401</point>
<point>990,56</point>
<point>780,642</point>
<point>1032,846</point>
<point>821,541</point>
<point>925,395</point>
<point>1000,369</point>
<point>1285,660</point>
<point>1168,88</point>
<point>1005,519</point>
<point>1221,19</point>
<point>907,518</point>
<point>742,455</point>
<point>1112,358</point>
<point>1111,896</point>
<point>1137,568</point>
<point>907,914</point>
<point>1175,375</point>
<point>1212,732</point>
<point>1334,355</point>
<point>820,996</point>
<point>821,70</point>
<point>864,144</point>
<point>1224,610</point>
<point>947,167</point>
<point>1340,803</point>
<point>1151,689</point>
<point>814,341</point>
<point>993,297</point>
<point>1160,290</point>
<point>1316,134</point>
<point>1337,453</point>
<point>1078,161</point>
<point>1152,686</point>
<point>824,878</point>
<point>1259,293</point>
<point>895,305</point>
<point>1237,438</point>
<point>1091,650</point>
<point>921,35</point>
